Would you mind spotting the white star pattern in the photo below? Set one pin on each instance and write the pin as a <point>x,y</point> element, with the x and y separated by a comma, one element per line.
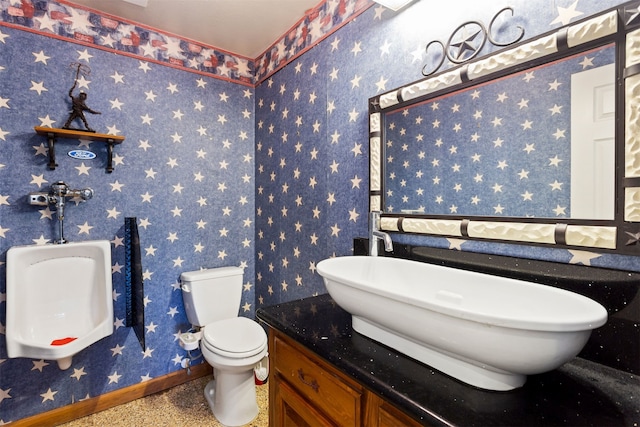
<point>217,172</point>
<point>543,192</point>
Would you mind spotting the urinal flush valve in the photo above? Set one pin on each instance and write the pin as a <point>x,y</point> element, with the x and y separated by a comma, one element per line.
<point>57,196</point>
<point>62,190</point>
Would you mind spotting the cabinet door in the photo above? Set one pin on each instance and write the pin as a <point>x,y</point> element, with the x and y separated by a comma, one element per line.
<point>388,416</point>
<point>316,382</point>
<point>290,410</point>
<point>383,414</point>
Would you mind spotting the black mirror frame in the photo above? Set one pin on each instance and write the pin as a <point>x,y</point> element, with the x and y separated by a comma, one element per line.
<point>620,25</point>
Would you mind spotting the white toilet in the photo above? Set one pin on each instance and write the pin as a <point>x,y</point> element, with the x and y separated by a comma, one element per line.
<point>232,345</point>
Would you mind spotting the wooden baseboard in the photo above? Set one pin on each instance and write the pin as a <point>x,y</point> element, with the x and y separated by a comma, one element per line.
<point>114,398</point>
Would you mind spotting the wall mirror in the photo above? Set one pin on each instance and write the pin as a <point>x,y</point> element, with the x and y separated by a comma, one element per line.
<point>538,142</point>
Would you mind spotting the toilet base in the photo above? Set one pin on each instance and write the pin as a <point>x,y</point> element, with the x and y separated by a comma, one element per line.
<point>232,397</point>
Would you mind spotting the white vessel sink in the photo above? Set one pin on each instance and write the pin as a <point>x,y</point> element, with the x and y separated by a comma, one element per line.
<point>487,331</point>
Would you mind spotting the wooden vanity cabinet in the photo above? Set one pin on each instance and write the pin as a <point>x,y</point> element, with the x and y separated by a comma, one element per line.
<point>304,390</point>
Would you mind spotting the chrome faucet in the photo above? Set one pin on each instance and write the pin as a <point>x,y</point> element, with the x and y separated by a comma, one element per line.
<point>375,234</point>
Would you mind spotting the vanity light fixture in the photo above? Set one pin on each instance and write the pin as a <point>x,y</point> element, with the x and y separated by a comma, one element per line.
<point>394,5</point>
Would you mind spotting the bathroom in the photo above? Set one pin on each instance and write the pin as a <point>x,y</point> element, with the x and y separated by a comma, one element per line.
<point>211,182</point>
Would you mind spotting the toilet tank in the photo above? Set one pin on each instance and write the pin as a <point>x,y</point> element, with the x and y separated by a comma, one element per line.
<point>212,294</point>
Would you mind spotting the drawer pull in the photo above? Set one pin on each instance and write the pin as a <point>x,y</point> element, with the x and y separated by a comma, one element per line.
<point>313,383</point>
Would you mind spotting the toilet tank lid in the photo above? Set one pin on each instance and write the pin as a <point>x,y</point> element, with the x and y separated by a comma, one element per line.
<point>210,273</point>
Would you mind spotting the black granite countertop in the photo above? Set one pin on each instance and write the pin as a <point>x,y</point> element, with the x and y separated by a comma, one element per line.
<point>580,393</point>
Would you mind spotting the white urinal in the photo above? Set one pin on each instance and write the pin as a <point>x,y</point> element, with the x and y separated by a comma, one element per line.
<point>59,299</point>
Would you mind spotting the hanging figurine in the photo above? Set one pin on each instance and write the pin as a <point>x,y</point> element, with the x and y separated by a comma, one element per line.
<point>78,106</point>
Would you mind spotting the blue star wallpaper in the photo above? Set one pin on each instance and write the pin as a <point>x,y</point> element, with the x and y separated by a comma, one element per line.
<point>260,163</point>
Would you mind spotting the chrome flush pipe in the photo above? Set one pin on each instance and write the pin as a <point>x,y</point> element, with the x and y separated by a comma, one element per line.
<point>59,192</point>
<point>375,234</point>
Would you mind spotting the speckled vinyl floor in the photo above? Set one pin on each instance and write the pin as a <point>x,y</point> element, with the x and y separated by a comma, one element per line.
<point>183,405</point>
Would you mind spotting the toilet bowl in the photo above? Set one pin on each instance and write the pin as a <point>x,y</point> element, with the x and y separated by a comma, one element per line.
<point>232,345</point>
<point>59,299</point>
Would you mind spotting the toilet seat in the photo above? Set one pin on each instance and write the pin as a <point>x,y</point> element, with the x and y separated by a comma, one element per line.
<point>236,338</point>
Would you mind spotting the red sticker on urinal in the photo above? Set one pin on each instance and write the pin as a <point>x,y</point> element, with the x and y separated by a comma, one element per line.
<point>63,341</point>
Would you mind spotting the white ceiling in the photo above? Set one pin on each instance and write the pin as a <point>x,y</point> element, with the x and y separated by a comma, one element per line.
<point>243,27</point>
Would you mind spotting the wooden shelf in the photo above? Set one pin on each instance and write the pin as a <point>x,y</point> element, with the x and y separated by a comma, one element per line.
<point>53,133</point>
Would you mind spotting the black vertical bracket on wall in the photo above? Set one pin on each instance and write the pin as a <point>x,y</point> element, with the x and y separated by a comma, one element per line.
<point>110,143</point>
<point>51,140</point>
<point>134,284</point>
